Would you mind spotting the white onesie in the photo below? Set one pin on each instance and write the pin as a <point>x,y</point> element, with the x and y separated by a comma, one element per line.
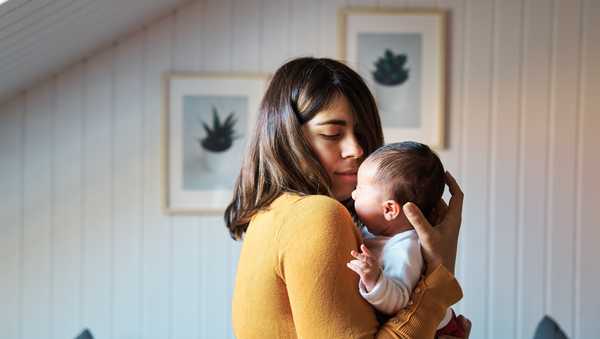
<point>402,264</point>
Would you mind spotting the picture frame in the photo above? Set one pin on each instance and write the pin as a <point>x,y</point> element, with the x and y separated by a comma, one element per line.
<point>207,121</point>
<point>401,55</point>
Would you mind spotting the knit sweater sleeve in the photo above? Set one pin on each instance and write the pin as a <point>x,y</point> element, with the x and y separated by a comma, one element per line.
<point>314,244</point>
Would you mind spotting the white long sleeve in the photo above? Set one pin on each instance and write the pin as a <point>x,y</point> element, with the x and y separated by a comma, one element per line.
<point>387,296</point>
<point>402,264</point>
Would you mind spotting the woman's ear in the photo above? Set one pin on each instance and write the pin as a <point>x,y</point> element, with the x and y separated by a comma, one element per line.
<point>391,210</point>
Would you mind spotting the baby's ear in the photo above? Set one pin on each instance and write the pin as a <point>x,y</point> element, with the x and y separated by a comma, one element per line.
<point>391,210</point>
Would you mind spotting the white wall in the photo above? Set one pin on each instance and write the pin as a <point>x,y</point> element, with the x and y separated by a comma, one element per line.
<point>83,242</point>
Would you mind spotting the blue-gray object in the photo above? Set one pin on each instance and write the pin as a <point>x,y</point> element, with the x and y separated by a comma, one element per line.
<point>86,334</point>
<point>549,329</point>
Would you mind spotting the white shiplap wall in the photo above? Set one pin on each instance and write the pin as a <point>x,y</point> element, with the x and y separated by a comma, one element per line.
<point>83,242</point>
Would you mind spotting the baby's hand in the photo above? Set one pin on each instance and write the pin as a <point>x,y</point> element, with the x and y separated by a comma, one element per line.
<point>365,265</point>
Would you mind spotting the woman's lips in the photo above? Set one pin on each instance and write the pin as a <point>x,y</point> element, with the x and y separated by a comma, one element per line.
<point>349,176</point>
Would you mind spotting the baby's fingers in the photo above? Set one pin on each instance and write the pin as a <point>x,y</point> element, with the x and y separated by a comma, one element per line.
<point>359,256</point>
<point>356,266</point>
<point>365,250</point>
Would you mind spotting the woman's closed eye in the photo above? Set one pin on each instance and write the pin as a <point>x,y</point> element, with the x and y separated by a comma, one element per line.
<point>331,136</point>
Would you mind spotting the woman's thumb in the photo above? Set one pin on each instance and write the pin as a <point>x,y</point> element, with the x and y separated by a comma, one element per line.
<point>417,220</point>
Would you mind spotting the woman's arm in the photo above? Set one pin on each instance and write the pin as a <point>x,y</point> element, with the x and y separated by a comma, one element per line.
<point>315,244</point>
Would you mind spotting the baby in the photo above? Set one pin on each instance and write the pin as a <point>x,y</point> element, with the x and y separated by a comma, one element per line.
<point>391,263</point>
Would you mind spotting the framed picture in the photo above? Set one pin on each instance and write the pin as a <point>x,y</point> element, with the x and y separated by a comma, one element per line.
<point>207,121</point>
<point>401,56</point>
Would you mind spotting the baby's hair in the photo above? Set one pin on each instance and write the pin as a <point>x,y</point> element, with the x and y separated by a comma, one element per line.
<point>410,171</point>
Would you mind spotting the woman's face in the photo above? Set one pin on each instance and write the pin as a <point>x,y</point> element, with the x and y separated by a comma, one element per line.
<point>333,139</point>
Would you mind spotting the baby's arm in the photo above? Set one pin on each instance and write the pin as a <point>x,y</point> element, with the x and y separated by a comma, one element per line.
<point>388,296</point>
<point>366,266</point>
<point>390,291</point>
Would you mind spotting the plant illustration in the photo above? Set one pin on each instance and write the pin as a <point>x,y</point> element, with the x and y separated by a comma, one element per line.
<point>220,137</point>
<point>390,69</point>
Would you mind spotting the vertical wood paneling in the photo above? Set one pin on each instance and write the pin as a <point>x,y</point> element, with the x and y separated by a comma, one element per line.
<point>11,218</point>
<point>236,248</point>
<point>504,168</point>
<point>84,243</point>
<point>186,293</point>
<point>328,26</point>
<point>588,270</point>
<point>478,84</point>
<point>218,43</point>
<point>452,156</point>
<point>127,186</point>
<point>304,28</point>
<point>246,49</point>
<point>67,193</point>
<point>97,195</point>
<point>563,159</point>
<point>188,50</point>
<point>156,236</point>
<point>363,3</point>
<point>274,37</point>
<point>216,243</point>
<point>423,3</point>
<point>455,10</point>
<point>37,227</point>
<point>533,172</point>
<point>393,3</point>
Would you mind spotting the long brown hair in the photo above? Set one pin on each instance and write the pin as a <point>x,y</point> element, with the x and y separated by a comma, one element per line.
<point>279,158</point>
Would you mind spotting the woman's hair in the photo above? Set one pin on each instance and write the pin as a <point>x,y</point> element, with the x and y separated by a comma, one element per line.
<point>279,158</point>
<point>410,171</point>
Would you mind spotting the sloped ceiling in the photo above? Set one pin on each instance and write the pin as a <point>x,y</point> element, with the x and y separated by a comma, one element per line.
<point>41,37</point>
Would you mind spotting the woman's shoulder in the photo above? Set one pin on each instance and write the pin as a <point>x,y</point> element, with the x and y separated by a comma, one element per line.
<point>309,204</point>
<point>310,213</point>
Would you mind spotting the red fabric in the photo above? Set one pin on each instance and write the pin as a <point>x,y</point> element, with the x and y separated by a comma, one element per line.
<point>453,328</point>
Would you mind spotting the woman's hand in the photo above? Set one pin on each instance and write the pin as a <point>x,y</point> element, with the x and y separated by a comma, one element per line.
<point>439,243</point>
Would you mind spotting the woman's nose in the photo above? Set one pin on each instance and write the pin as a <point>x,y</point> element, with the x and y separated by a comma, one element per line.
<point>352,148</point>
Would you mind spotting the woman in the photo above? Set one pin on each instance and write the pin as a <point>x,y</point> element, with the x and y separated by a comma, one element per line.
<point>292,207</point>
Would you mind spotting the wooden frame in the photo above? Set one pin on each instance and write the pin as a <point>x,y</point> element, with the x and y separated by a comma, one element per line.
<point>401,54</point>
<point>207,121</point>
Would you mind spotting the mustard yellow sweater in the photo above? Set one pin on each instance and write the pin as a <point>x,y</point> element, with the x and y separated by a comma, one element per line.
<point>292,280</point>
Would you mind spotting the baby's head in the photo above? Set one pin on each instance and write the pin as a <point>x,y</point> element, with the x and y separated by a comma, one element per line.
<point>393,175</point>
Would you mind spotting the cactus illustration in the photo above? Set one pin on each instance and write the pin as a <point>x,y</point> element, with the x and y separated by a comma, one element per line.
<point>220,137</point>
<point>390,69</point>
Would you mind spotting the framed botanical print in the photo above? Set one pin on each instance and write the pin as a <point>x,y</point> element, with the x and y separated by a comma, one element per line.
<point>401,56</point>
<point>207,121</point>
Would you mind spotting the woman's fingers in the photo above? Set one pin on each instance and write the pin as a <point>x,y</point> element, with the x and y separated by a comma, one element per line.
<point>438,246</point>
<point>440,211</point>
<point>455,204</point>
<point>417,220</point>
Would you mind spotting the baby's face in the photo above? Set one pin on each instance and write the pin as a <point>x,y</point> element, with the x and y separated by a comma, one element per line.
<point>369,197</point>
